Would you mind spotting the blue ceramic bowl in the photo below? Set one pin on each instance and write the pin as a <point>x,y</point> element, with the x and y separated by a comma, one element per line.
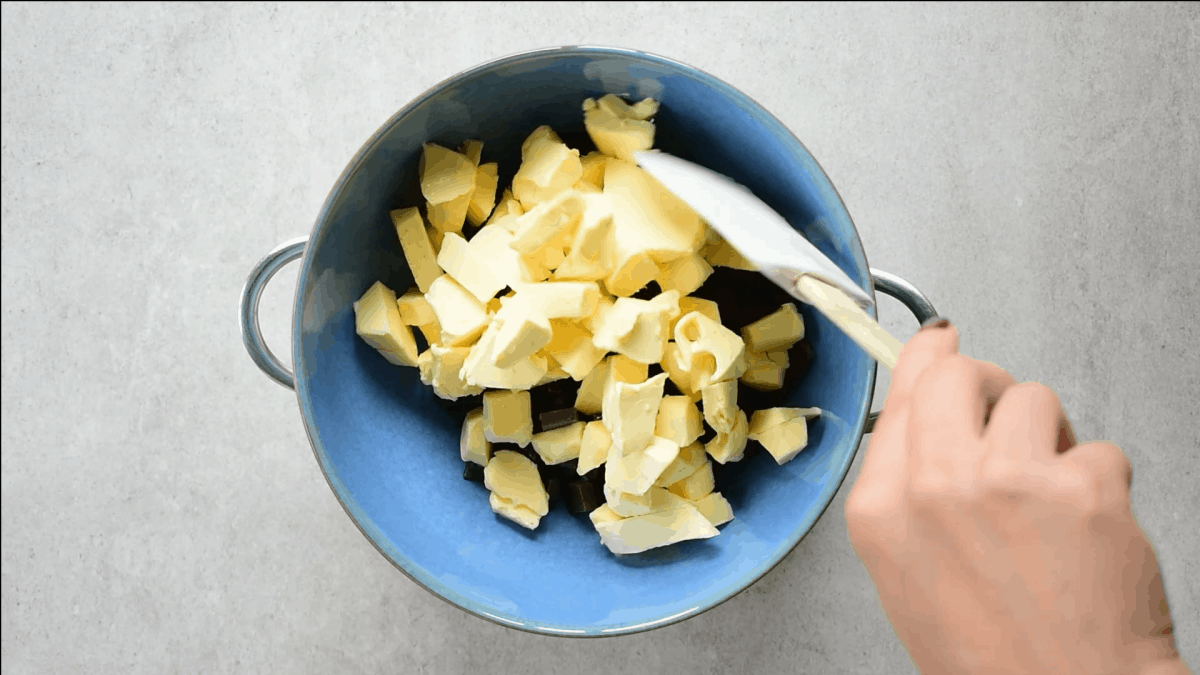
<point>389,449</point>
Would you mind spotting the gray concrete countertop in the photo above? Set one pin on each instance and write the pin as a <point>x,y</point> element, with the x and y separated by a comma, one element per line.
<point>1035,169</point>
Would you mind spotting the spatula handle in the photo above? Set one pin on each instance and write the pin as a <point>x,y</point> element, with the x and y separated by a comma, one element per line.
<point>851,319</point>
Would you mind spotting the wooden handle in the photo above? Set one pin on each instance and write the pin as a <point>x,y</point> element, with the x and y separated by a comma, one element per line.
<point>851,319</point>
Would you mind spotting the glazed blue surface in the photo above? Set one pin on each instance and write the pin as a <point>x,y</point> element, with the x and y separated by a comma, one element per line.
<point>390,451</point>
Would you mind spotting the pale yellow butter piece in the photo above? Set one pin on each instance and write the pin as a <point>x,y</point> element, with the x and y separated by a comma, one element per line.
<point>697,485</point>
<point>418,251</point>
<point>629,411</point>
<point>480,368</point>
<point>684,275</point>
<point>720,405</point>
<point>507,210</point>
<point>554,373</point>
<point>547,168</point>
<point>461,316</point>
<point>679,374</point>
<point>445,174</point>
<point>719,253</point>
<point>377,321</point>
<point>483,197</point>
<point>699,335</point>
<point>636,472</point>
<point>648,220</point>
<point>559,445</point>
<point>691,457</point>
<point>415,309</point>
<point>593,165</point>
<point>627,505</point>
<point>729,446</point>
<point>638,328</point>
<point>688,304</point>
<point>472,150</point>
<point>785,441</point>
<point>615,368</point>
<point>516,479</point>
<point>444,372</point>
<point>616,128</point>
<point>518,513</point>
<point>769,418</point>
<point>448,217</point>
<point>679,420</point>
<point>593,447</point>
<point>561,299</point>
<point>587,260</point>
<point>644,532</point>
<point>538,226</point>
<point>473,445</point>
<point>507,417</point>
<point>604,514</point>
<point>715,508</point>
<point>765,378</point>
<point>778,330</point>
<point>581,358</point>
<point>491,247</point>
<point>523,332</point>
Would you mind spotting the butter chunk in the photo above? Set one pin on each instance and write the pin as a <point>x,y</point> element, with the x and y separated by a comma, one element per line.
<point>505,215</point>
<point>715,508</point>
<point>415,309</point>
<point>587,259</point>
<point>377,321</point>
<point>515,478</point>
<point>636,472</point>
<point>523,331</point>
<point>699,335</point>
<point>576,353</point>
<point>778,330</point>
<point>559,445</point>
<point>688,304</point>
<point>729,446</point>
<point>518,513</point>
<point>785,441</point>
<point>679,420</point>
<point>561,299</point>
<point>720,405</point>
<point>461,316</point>
<point>483,197</point>
<point>418,251</point>
<point>507,417</point>
<point>638,328</point>
<point>473,445</point>
<point>644,532</point>
<point>629,412</point>
<point>765,370</point>
<point>444,372</point>
<point>720,253</point>
<point>691,458</point>
<point>448,217</point>
<point>615,368</point>
<point>593,165</point>
<point>679,373</point>
<point>538,226</point>
<point>547,168</point>
<point>684,275</point>
<point>648,220</point>
<point>627,505</point>
<point>480,367</point>
<point>696,486</point>
<point>616,128</point>
<point>604,514</point>
<point>445,174</point>
<point>593,447</point>
<point>472,150</point>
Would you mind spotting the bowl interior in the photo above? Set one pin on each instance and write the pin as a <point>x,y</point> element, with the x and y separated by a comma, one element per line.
<point>389,447</point>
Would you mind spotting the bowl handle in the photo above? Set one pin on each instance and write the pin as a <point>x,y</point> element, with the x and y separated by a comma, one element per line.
<point>266,268</point>
<point>914,300</point>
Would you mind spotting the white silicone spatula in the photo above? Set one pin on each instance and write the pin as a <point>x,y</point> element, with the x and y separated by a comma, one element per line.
<point>776,249</point>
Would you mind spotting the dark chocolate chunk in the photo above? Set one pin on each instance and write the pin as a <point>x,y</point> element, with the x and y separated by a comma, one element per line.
<point>648,292</point>
<point>557,419</point>
<point>472,472</point>
<point>553,488</point>
<point>569,468</point>
<point>595,476</point>
<point>553,398</point>
<point>582,497</point>
<point>653,369</point>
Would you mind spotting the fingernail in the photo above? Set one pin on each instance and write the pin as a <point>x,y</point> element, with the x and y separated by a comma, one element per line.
<point>936,322</point>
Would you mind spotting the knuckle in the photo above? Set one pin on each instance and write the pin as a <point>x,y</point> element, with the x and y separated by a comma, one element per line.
<point>1035,395</point>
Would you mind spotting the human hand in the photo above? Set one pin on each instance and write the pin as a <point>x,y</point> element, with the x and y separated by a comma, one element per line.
<point>997,544</point>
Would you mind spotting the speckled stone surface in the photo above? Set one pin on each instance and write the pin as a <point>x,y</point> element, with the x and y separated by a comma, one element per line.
<point>1034,169</point>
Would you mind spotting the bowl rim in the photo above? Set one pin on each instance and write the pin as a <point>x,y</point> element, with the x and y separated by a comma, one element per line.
<point>756,110</point>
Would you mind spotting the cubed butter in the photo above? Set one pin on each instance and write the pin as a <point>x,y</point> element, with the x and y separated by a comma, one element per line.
<point>547,168</point>
<point>615,127</point>
<point>680,375</point>
<point>516,479</point>
<point>644,532</point>
<point>769,418</point>
<point>696,486</point>
<point>699,335</point>
<point>629,412</point>
<point>593,168</point>
<point>778,330</point>
<point>765,370</point>
<point>444,372</point>
<point>688,304</point>
<point>636,472</point>
<point>593,447</point>
<point>507,210</point>
<point>586,259</point>
<point>604,514</point>
<point>445,174</point>
<point>561,299</point>
<point>615,368</point>
<point>647,218</point>
<point>480,368</point>
<point>448,217</point>
<point>729,446</point>
<point>715,508</point>
<point>559,445</point>
<point>507,417</point>
<point>785,441</point>
<point>473,445</point>
<point>638,328</point>
<point>684,275</point>
<point>518,513</point>
<point>538,226</point>
<point>577,354</point>
<point>377,321</point>
<point>483,197</point>
<point>720,254</point>
<point>627,505</point>
<point>720,405</point>
<point>523,332</point>
<point>418,251</point>
<point>461,316</point>
<point>679,420</point>
<point>691,458</point>
<point>472,150</point>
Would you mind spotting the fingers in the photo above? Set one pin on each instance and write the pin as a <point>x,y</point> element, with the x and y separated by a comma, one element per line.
<point>1104,463</point>
<point>948,407</point>
<point>1028,424</point>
